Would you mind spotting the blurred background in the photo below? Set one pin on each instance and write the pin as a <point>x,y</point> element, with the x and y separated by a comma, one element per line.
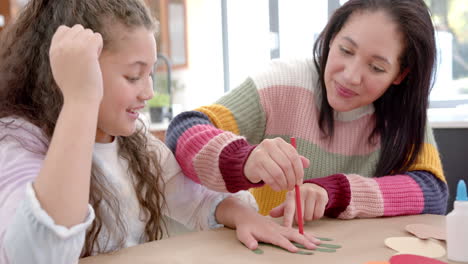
<point>212,45</point>
<point>208,47</point>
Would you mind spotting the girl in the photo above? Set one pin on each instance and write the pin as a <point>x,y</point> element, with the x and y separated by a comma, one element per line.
<point>358,111</point>
<point>79,175</point>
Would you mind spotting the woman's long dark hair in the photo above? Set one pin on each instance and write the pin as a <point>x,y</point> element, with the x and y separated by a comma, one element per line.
<point>28,91</point>
<point>401,110</point>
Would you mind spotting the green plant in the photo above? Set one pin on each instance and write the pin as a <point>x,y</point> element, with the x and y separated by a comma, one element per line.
<point>159,100</point>
<point>160,83</point>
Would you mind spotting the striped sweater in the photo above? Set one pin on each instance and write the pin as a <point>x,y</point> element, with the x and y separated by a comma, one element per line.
<point>212,144</point>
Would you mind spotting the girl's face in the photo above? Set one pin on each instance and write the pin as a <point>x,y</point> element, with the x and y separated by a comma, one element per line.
<point>126,68</point>
<point>363,61</point>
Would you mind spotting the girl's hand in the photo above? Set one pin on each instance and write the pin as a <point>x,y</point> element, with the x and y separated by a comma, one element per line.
<point>314,200</point>
<point>74,60</point>
<point>252,228</point>
<point>277,163</point>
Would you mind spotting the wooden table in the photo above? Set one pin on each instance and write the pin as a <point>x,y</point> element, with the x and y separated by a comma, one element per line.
<point>362,240</point>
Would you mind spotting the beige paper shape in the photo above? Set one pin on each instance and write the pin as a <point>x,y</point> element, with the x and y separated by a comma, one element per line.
<point>424,231</point>
<point>415,246</point>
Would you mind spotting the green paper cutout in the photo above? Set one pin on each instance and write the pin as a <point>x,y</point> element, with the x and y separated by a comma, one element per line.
<point>329,246</point>
<point>329,250</point>
<point>298,245</point>
<point>304,253</point>
<point>272,245</point>
<point>278,247</point>
<point>258,251</point>
<point>324,238</point>
<point>317,249</point>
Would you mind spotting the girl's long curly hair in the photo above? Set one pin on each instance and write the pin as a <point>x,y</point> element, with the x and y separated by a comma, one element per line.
<point>28,91</point>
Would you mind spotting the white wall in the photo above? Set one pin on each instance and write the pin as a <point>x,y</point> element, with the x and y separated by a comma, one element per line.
<point>300,21</point>
<point>249,38</point>
<point>249,42</point>
<point>248,26</point>
<point>444,74</point>
<point>203,79</point>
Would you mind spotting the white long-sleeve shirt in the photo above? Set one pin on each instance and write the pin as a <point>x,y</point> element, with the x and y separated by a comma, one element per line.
<point>29,235</point>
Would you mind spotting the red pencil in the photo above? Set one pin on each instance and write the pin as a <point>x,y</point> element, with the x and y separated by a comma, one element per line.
<point>298,198</point>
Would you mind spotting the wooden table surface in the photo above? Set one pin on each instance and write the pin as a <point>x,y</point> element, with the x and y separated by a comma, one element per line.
<point>362,240</point>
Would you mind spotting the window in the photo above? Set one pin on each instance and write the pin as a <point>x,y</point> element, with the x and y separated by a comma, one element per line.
<point>449,97</point>
<point>172,37</point>
<point>5,13</point>
<point>269,29</point>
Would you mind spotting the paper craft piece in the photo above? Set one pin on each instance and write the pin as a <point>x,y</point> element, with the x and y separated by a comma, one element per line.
<point>258,251</point>
<point>413,259</point>
<point>377,262</point>
<point>317,249</point>
<point>424,231</point>
<point>298,245</point>
<point>329,246</point>
<point>304,253</point>
<point>329,250</point>
<point>324,238</point>
<point>415,246</point>
<point>278,247</point>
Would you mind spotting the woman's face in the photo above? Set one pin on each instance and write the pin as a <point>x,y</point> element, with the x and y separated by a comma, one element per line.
<point>363,60</point>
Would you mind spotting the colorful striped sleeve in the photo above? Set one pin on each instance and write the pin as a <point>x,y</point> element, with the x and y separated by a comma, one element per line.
<point>354,196</point>
<point>422,190</point>
<point>206,142</point>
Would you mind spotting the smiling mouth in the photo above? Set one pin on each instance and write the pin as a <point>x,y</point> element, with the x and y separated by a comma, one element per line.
<point>344,92</point>
<point>134,110</point>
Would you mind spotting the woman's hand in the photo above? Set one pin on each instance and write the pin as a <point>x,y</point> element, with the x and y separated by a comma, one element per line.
<point>277,163</point>
<point>314,201</point>
<point>251,227</point>
<point>74,60</point>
